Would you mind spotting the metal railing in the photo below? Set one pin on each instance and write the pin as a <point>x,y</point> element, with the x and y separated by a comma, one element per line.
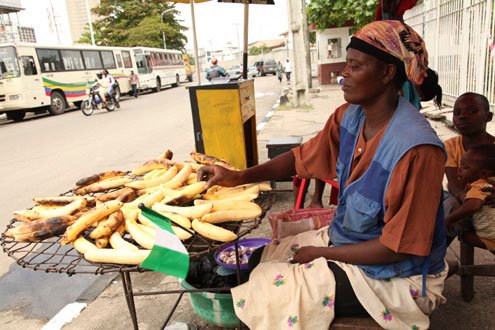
<point>457,35</point>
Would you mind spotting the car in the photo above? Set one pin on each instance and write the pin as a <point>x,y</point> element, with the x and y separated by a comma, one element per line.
<point>266,67</point>
<point>236,70</point>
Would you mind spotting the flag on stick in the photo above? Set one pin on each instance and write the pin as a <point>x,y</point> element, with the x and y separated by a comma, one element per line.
<point>168,254</point>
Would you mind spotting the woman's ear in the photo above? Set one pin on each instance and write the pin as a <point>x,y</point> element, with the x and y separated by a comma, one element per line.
<point>389,73</point>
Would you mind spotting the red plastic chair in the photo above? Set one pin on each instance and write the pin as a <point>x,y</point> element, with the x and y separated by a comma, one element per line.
<point>303,185</point>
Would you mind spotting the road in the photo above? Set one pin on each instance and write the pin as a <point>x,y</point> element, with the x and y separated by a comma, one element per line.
<point>46,155</point>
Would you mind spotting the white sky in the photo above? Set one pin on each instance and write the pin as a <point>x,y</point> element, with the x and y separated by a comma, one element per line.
<point>216,23</point>
<point>219,23</point>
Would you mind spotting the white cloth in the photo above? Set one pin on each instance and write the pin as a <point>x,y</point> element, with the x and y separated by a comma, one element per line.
<point>282,295</point>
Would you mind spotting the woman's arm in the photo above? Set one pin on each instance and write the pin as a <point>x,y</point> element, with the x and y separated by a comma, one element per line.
<point>278,168</point>
<point>370,252</point>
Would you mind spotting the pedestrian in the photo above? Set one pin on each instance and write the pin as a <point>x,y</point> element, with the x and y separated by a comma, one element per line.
<point>385,247</point>
<point>134,81</point>
<point>280,70</point>
<point>215,70</point>
<point>288,70</point>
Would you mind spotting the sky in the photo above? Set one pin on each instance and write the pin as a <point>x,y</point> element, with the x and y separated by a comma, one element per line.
<point>219,23</point>
<point>216,23</point>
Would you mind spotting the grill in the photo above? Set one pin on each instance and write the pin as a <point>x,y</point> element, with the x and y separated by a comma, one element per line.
<point>49,256</point>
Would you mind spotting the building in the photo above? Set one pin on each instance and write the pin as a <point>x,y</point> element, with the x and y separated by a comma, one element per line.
<point>78,16</point>
<point>10,29</point>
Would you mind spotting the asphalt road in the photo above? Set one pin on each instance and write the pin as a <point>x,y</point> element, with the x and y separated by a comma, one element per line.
<point>45,155</point>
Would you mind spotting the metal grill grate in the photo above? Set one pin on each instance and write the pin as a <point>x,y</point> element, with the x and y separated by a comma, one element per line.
<point>49,256</point>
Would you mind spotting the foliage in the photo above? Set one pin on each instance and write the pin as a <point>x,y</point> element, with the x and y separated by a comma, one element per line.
<point>130,23</point>
<point>259,50</point>
<point>336,13</point>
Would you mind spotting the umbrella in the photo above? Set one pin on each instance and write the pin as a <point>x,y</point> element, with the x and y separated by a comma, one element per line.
<point>246,20</point>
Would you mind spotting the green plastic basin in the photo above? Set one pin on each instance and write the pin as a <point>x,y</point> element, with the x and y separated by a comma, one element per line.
<point>215,308</point>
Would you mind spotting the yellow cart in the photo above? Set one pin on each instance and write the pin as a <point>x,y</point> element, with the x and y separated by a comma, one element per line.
<point>224,120</point>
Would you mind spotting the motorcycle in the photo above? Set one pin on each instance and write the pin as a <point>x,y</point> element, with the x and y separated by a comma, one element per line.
<point>95,102</point>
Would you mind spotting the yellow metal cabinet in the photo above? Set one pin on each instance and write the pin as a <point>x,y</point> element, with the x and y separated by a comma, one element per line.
<point>224,119</point>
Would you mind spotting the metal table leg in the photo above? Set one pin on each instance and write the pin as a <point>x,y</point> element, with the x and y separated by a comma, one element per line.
<point>129,297</point>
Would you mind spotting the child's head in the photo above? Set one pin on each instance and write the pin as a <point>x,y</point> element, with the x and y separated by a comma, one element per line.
<point>471,113</point>
<point>477,163</point>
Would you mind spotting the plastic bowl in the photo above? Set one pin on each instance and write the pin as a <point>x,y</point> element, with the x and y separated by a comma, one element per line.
<point>215,308</point>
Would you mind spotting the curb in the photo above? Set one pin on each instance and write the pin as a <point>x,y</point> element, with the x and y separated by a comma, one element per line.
<point>267,117</point>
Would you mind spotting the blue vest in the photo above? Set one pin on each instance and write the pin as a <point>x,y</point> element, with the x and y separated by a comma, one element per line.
<point>361,208</point>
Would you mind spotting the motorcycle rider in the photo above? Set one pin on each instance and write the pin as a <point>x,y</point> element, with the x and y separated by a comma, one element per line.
<point>102,83</point>
<point>111,83</point>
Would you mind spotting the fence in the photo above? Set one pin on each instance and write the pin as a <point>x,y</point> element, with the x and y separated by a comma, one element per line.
<point>457,35</point>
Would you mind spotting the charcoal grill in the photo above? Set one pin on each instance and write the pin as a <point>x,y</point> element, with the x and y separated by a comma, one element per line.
<point>51,257</point>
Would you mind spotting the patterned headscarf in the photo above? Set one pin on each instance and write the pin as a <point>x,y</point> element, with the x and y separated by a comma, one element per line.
<point>394,42</point>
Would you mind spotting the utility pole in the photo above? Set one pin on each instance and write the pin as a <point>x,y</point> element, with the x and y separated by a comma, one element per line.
<point>163,32</point>
<point>88,13</point>
<point>301,61</point>
<point>238,43</point>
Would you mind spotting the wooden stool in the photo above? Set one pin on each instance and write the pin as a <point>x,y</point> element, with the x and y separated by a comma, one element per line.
<point>468,270</point>
<point>358,323</point>
<point>303,185</point>
<point>278,146</point>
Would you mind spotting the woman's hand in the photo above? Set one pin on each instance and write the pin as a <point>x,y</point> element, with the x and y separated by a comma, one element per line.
<point>490,199</point>
<point>218,175</point>
<point>307,254</point>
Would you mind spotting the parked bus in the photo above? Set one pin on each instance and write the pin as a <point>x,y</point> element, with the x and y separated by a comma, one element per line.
<point>159,67</point>
<point>36,77</point>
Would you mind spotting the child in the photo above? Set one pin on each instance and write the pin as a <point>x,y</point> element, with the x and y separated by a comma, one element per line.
<point>471,114</point>
<point>477,166</point>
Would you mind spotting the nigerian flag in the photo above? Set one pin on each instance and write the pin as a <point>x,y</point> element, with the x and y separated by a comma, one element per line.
<point>168,255</point>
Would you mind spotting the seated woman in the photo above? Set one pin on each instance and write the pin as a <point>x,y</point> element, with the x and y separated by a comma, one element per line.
<point>383,254</point>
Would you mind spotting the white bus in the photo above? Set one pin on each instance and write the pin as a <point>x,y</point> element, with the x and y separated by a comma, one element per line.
<point>159,67</point>
<point>36,77</point>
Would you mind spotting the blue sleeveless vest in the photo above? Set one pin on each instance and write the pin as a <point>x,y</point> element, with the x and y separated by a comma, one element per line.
<point>361,208</point>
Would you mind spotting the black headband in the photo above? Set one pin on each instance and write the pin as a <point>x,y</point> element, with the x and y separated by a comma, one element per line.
<point>382,55</point>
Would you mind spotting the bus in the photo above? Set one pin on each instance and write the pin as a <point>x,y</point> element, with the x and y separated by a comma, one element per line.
<point>159,67</point>
<point>36,78</point>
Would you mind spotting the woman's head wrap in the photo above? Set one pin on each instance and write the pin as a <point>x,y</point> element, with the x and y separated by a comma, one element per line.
<point>394,42</point>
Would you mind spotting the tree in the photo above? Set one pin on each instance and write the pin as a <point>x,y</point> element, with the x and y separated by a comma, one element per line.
<point>130,23</point>
<point>335,13</point>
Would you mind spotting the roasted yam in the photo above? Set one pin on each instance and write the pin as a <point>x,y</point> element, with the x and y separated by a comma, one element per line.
<point>210,160</point>
<point>98,177</point>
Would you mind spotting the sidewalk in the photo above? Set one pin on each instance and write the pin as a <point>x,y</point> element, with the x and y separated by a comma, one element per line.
<point>109,310</point>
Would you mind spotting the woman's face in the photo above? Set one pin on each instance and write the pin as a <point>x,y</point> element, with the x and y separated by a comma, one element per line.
<point>363,75</point>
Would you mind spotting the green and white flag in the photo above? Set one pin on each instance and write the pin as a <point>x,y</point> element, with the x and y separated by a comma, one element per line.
<point>168,254</point>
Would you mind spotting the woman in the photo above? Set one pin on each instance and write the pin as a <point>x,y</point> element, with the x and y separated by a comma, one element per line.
<point>280,70</point>
<point>383,256</point>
